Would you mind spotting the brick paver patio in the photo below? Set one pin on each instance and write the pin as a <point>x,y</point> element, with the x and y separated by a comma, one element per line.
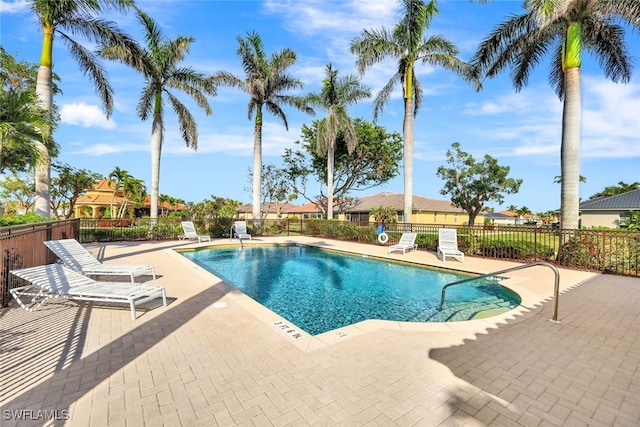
<point>193,364</point>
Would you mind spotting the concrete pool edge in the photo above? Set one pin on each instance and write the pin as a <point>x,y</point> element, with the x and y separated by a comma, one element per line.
<point>531,301</point>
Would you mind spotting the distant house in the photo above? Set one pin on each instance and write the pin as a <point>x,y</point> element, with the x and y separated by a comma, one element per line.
<point>425,210</point>
<point>274,210</point>
<point>501,218</point>
<point>609,211</point>
<point>308,210</point>
<point>94,203</point>
<point>164,208</point>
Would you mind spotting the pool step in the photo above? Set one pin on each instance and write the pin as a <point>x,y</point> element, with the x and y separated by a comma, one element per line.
<point>459,311</point>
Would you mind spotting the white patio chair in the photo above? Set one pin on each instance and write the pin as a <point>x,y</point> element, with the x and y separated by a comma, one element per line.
<point>191,234</point>
<point>407,242</point>
<point>240,230</point>
<point>78,258</point>
<point>448,244</point>
<point>57,281</point>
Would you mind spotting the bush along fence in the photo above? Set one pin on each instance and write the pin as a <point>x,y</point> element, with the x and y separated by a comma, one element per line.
<point>606,251</point>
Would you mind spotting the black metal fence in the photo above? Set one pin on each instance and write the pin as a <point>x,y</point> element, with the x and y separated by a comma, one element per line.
<point>607,251</point>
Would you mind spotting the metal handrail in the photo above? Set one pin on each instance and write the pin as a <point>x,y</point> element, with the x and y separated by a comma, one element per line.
<point>239,238</point>
<point>556,291</point>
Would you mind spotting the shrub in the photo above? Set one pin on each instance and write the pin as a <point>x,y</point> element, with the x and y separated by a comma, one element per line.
<point>27,218</point>
<point>518,250</point>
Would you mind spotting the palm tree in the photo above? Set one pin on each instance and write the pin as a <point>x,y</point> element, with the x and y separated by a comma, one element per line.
<point>563,28</point>
<point>265,82</point>
<point>62,19</point>
<point>159,65</point>
<point>134,190</point>
<point>336,95</point>
<point>23,123</point>
<point>408,44</point>
<point>118,176</point>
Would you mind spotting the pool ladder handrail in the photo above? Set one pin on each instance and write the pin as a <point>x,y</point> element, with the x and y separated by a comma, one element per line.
<point>556,290</point>
<point>239,238</point>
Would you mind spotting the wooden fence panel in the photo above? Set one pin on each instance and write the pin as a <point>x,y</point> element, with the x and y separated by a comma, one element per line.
<point>22,246</point>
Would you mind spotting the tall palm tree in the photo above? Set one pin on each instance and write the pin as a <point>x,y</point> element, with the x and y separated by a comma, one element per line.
<point>408,44</point>
<point>563,29</point>
<point>266,82</point>
<point>336,95</point>
<point>159,65</point>
<point>62,20</point>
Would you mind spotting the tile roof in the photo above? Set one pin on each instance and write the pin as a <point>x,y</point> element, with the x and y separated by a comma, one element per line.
<point>396,200</point>
<point>306,208</point>
<point>270,207</point>
<point>625,201</point>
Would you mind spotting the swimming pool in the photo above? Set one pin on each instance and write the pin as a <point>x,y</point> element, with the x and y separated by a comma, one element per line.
<point>320,290</point>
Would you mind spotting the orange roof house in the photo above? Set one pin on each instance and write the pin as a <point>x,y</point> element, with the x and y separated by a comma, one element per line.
<point>96,201</point>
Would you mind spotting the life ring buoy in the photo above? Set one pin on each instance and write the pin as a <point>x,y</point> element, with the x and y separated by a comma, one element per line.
<point>383,238</point>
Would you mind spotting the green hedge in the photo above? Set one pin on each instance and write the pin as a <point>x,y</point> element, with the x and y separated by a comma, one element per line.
<point>519,250</point>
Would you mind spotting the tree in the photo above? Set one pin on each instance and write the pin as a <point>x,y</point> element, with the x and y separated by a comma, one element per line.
<point>374,161</point>
<point>62,19</point>
<point>159,64</point>
<point>407,43</point>
<point>24,127</point>
<point>69,184</point>
<point>336,95</point>
<point>384,215</point>
<point>275,187</point>
<point>614,190</point>
<point>134,190</point>
<point>18,190</point>
<point>266,82</point>
<point>562,29</point>
<point>117,176</point>
<point>471,184</point>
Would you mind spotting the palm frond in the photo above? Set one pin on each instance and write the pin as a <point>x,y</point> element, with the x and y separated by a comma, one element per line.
<point>93,69</point>
<point>384,94</point>
<point>188,127</point>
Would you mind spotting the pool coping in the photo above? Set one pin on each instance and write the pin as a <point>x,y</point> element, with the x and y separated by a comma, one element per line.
<point>530,305</point>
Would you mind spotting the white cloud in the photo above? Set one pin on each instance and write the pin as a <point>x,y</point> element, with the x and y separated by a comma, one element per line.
<point>103,148</point>
<point>81,114</point>
<point>610,125</point>
<point>15,6</point>
<point>239,141</point>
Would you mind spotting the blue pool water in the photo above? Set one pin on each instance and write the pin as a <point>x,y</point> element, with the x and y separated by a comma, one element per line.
<point>320,290</point>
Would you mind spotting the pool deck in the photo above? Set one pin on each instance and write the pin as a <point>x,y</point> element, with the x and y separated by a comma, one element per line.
<point>215,357</point>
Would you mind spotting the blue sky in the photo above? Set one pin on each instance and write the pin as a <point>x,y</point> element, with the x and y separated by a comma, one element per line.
<point>522,130</point>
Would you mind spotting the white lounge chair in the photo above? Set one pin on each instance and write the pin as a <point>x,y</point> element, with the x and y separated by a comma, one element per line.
<point>448,244</point>
<point>191,234</point>
<point>78,258</point>
<point>407,241</point>
<point>240,230</point>
<point>57,281</point>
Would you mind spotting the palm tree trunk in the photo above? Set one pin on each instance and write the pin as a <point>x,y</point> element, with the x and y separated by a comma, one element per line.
<point>570,151</point>
<point>407,129</point>
<point>257,166</point>
<point>45,95</point>
<point>330,162</point>
<point>156,151</point>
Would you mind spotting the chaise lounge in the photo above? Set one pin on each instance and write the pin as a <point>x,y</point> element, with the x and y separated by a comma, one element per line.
<point>57,281</point>
<point>240,230</point>
<point>76,257</point>
<point>448,244</point>
<point>190,233</point>
<point>407,242</point>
